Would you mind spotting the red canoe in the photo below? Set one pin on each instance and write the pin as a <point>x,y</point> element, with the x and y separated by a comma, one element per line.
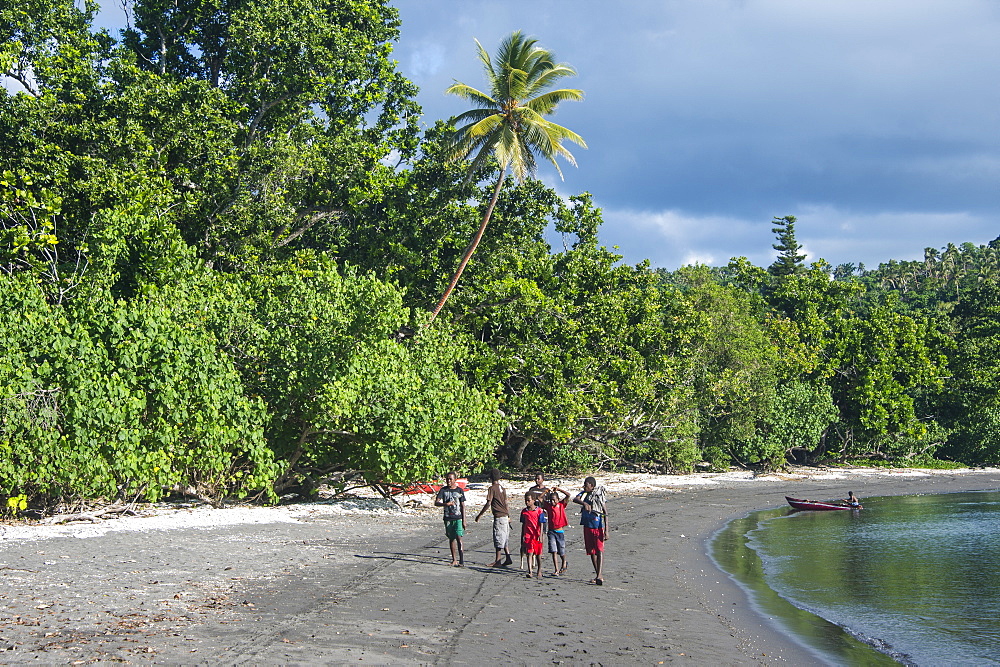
<point>423,487</point>
<point>800,504</point>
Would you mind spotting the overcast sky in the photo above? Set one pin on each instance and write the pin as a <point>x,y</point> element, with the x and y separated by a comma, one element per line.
<point>875,122</point>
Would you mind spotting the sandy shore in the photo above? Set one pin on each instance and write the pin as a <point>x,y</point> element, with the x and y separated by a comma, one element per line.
<point>362,583</point>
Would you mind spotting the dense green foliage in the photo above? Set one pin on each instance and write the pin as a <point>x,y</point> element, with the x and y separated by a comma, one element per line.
<point>221,236</point>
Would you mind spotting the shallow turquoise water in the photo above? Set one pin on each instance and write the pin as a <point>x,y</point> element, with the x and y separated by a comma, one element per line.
<point>916,576</point>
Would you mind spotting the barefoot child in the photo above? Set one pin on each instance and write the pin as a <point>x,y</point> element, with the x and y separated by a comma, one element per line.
<point>532,527</point>
<point>452,499</point>
<point>594,519</point>
<point>555,510</point>
<point>536,492</point>
<point>496,501</point>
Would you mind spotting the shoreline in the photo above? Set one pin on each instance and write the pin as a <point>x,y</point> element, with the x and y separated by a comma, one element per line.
<point>325,583</point>
<point>868,483</point>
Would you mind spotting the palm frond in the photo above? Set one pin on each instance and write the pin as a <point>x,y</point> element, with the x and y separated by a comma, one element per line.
<point>515,48</point>
<point>546,78</point>
<point>547,139</point>
<point>484,126</point>
<point>555,132</point>
<point>525,151</point>
<point>513,83</point>
<point>484,57</point>
<point>469,93</point>
<point>487,149</point>
<point>471,116</point>
<point>546,103</point>
<point>541,142</point>
<point>509,122</point>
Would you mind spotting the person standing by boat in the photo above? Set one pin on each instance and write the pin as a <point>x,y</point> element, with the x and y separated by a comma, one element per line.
<point>496,501</point>
<point>452,499</point>
<point>594,519</point>
<point>852,501</point>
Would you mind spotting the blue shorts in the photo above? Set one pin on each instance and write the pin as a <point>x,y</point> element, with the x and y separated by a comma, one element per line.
<point>557,542</point>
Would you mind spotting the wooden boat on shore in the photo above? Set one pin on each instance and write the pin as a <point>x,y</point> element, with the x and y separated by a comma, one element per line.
<point>423,487</point>
<point>819,505</point>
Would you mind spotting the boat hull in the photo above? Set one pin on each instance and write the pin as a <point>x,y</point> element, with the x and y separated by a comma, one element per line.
<point>422,487</point>
<point>816,505</point>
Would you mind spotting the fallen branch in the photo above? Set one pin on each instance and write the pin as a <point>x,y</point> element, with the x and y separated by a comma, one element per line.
<point>193,492</point>
<point>93,517</point>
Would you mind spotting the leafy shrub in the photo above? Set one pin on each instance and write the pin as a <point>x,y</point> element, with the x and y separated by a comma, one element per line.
<point>108,398</point>
<point>342,388</point>
<point>798,415</point>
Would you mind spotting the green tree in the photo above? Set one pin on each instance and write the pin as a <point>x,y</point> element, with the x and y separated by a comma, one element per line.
<point>876,360</point>
<point>873,359</point>
<point>794,420</point>
<point>261,125</point>
<point>509,122</point>
<point>343,392</point>
<point>789,259</point>
<point>972,406</point>
<point>579,347</point>
<point>122,399</point>
<point>735,365</point>
<point>415,220</point>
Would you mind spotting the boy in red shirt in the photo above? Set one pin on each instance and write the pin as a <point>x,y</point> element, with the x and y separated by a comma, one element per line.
<point>532,527</point>
<point>555,510</point>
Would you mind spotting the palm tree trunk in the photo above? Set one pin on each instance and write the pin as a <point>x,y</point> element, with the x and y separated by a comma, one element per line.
<point>471,249</point>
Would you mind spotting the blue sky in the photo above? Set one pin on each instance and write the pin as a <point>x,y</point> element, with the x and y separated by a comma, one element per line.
<point>875,122</point>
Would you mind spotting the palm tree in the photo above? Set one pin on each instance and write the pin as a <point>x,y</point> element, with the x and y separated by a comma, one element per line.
<point>509,122</point>
<point>931,258</point>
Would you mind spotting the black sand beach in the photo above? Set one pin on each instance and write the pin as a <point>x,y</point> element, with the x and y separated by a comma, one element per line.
<point>376,589</point>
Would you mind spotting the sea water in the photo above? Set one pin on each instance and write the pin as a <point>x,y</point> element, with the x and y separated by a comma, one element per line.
<point>915,577</point>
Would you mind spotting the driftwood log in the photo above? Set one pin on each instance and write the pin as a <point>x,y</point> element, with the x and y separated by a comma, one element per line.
<point>94,516</point>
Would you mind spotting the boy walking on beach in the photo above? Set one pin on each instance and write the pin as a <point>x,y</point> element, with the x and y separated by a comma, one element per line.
<point>555,511</point>
<point>532,527</point>
<point>496,501</point>
<point>594,519</point>
<point>452,499</point>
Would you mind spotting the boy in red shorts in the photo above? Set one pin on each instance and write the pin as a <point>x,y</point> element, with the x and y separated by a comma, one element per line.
<point>532,527</point>
<point>594,519</point>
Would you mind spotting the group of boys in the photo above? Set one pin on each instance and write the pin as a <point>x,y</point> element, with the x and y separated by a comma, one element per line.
<point>544,513</point>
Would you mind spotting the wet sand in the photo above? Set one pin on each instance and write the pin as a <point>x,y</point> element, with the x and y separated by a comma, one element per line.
<point>376,589</point>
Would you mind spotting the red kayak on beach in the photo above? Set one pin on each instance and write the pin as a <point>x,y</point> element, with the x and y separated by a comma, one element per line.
<point>800,504</point>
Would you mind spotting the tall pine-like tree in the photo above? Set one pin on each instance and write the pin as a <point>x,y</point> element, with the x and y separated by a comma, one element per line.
<point>789,260</point>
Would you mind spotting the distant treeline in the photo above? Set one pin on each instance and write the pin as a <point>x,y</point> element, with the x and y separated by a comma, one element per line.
<point>223,232</point>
